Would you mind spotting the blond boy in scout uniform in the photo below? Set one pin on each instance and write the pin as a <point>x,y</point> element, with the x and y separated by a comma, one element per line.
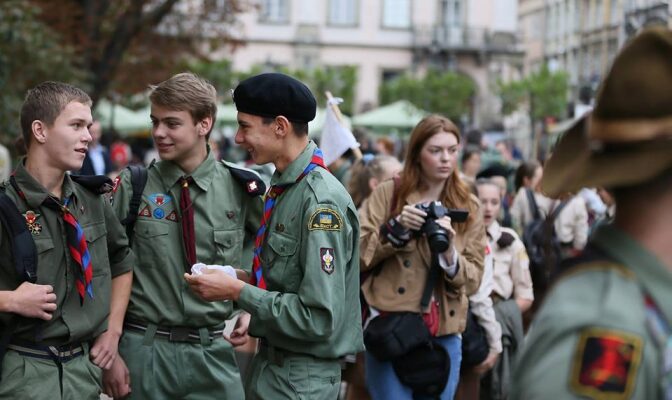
<point>194,209</point>
<point>304,296</point>
<point>64,327</point>
<point>604,329</point>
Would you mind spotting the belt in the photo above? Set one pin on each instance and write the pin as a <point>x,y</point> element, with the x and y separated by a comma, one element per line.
<point>174,333</point>
<point>60,354</point>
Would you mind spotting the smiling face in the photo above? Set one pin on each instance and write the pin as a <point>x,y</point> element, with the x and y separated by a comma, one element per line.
<point>489,195</point>
<point>66,141</point>
<point>177,138</point>
<point>257,138</point>
<point>438,157</point>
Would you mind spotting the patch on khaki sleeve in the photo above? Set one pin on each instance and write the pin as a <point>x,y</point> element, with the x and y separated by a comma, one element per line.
<point>605,364</point>
<point>327,259</point>
<point>522,255</point>
<point>326,220</point>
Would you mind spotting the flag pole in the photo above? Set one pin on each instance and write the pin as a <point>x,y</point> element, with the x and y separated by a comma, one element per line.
<point>337,111</point>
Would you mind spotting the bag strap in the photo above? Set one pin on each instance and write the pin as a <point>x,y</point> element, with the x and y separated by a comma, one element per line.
<point>532,202</point>
<point>138,182</point>
<point>21,240</point>
<point>432,276</point>
<point>557,210</point>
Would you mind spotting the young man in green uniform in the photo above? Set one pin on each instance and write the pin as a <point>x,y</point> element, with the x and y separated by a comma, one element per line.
<point>304,296</point>
<point>604,329</point>
<point>194,209</point>
<point>63,328</point>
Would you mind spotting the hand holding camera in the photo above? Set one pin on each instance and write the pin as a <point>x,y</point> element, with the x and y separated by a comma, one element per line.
<point>433,220</point>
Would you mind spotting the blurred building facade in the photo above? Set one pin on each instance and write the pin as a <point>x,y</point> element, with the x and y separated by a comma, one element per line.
<point>385,38</point>
<point>582,37</point>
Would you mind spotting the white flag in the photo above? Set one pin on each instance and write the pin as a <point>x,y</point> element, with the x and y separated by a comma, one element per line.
<point>336,138</point>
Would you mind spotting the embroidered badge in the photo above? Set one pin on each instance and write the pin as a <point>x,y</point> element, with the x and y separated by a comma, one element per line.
<point>606,363</point>
<point>160,199</point>
<point>159,213</point>
<point>252,186</point>
<point>326,220</point>
<point>230,214</point>
<point>31,222</point>
<point>327,259</point>
<point>145,212</point>
<point>117,183</point>
<point>172,216</point>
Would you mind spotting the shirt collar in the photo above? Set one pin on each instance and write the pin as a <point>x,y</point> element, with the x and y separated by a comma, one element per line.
<point>33,191</point>
<point>649,270</point>
<point>295,168</point>
<point>494,231</point>
<point>170,172</point>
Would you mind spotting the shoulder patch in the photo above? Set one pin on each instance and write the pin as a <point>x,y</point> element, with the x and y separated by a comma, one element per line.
<point>325,219</point>
<point>505,240</point>
<point>327,259</point>
<point>606,363</point>
<point>248,179</point>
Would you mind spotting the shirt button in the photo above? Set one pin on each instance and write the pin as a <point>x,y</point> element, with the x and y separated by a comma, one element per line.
<point>407,263</point>
<point>452,313</point>
<point>401,290</point>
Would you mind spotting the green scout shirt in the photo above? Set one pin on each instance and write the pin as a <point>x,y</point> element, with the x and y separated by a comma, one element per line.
<point>310,263</point>
<point>223,214</point>
<point>108,247</point>
<point>590,339</point>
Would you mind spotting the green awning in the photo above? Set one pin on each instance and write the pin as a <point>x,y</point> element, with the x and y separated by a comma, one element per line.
<point>400,115</point>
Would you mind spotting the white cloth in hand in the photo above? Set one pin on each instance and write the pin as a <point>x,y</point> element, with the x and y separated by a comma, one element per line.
<point>198,269</point>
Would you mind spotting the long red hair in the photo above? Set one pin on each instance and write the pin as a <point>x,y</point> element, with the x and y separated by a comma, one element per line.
<point>456,194</point>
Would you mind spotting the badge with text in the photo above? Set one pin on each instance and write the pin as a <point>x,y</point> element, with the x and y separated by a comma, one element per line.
<point>145,212</point>
<point>172,216</point>
<point>606,363</point>
<point>326,220</point>
<point>327,259</point>
<point>160,199</point>
<point>31,222</point>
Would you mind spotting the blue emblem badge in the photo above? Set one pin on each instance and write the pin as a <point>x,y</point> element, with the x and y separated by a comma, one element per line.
<point>159,213</point>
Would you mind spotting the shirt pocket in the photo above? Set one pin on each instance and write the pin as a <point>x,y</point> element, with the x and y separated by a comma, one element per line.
<point>228,247</point>
<point>149,244</point>
<point>44,245</point>
<point>96,241</point>
<point>279,257</point>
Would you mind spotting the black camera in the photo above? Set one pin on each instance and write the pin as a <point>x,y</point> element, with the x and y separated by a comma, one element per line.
<point>437,237</point>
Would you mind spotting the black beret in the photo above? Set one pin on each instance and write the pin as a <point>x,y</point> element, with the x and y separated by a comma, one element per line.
<point>270,95</point>
<point>496,169</point>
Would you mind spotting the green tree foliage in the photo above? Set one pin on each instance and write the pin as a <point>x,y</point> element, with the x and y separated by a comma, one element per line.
<point>30,53</point>
<point>446,93</point>
<point>545,92</point>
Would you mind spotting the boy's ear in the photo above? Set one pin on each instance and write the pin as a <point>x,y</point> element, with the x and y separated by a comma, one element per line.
<point>204,126</point>
<point>39,131</point>
<point>282,126</point>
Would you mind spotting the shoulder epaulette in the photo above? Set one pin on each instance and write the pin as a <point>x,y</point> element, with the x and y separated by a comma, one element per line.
<point>96,184</point>
<point>248,179</point>
<point>505,240</point>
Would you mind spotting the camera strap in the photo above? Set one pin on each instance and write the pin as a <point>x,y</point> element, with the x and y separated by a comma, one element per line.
<point>432,276</point>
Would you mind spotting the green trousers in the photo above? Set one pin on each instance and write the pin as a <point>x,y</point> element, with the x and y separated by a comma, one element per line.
<point>30,378</point>
<point>160,369</point>
<point>292,376</point>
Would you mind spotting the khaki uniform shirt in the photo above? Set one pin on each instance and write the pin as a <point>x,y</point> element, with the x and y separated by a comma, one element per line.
<point>590,338</point>
<point>223,214</point>
<point>571,225</point>
<point>310,260</point>
<point>399,275</point>
<point>511,265</point>
<point>108,247</point>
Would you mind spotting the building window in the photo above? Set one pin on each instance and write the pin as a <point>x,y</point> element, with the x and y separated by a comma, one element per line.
<point>452,12</point>
<point>343,12</point>
<point>397,14</point>
<point>274,11</point>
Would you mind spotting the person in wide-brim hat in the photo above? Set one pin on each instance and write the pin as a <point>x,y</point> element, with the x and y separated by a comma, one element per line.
<point>627,139</point>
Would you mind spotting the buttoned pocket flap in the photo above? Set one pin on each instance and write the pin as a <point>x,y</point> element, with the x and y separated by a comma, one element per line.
<point>94,231</point>
<point>225,238</point>
<point>282,245</point>
<point>151,229</point>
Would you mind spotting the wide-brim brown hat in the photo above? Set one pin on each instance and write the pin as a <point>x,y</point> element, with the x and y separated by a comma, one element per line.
<point>627,139</point>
